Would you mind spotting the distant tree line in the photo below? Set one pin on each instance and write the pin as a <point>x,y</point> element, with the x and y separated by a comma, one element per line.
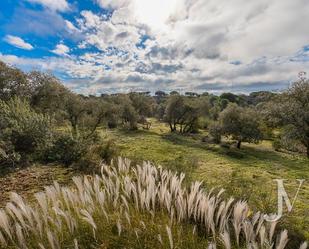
<point>36,108</point>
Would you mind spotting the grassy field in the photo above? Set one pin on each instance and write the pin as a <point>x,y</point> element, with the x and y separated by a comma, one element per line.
<point>245,174</point>
<point>248,173</point>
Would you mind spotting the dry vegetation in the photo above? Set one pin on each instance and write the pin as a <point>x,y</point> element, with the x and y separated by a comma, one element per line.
<point>134,207</point>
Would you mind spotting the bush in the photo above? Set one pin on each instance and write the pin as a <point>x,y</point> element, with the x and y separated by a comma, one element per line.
<point>66,150</point>
<point>95,155</point>
<point>289,144</point>
<point>86,154</point>
<point>108,151</point>
<point>22,130</point>
<point>8,157</point>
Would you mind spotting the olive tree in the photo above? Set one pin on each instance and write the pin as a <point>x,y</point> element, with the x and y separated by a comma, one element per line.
<point>292,109</point>
<point>242,124</point>
<point>13,82</point>
<point>184,112</point>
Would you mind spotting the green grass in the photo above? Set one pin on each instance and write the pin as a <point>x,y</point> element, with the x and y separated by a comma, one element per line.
<point>248,173</point>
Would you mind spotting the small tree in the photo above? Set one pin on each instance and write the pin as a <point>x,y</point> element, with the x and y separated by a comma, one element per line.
<point>126,112</point>
<point>174,111</point>
<point>184,112</point>
<point>160,94</point>
<point>74,107</point>
<point>13,82</point>
<point>143,104</point>
<point>292,109</point>
<point>240,123</point>
<point>50,95</point>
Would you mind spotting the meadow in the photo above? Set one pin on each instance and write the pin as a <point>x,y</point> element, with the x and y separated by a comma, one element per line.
<point>246,174</point>
<point>179,170</point>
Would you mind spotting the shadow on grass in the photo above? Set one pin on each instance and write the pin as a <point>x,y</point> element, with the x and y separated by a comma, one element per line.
<point>136,133</point>
<point>247,155</point>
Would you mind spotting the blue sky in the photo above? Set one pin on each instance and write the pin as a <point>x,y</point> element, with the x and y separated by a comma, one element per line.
<point>99,46</point>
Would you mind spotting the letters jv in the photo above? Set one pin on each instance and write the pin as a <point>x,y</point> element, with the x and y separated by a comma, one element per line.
<point>283,198</point>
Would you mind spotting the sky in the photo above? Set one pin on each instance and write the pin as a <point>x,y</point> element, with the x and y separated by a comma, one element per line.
<point>107,46</point>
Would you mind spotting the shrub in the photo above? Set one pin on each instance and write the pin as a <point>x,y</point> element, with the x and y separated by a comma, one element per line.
<point>8,157</point>
<point>289,144</point>
<point>66,150</point>
<point>108,151</point>
<point>91,160</point>
<point>23,130</point>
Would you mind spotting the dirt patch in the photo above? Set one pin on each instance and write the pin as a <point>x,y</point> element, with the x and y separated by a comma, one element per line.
<point>27,181</point>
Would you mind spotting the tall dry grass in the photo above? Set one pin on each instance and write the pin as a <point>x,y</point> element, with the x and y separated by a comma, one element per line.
<point>139,206</point>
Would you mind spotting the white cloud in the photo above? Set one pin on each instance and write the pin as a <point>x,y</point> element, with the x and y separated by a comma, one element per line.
<point>70,27</point>
<point>190,45</point>
<point>18,42</point>
<point>56,5</point>
<point>61,49</point>
<point>113,4</point>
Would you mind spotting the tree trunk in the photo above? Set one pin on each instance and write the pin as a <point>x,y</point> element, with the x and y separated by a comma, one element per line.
<point>238,144</point>
<point>308,151</point>
<point>171,127</point>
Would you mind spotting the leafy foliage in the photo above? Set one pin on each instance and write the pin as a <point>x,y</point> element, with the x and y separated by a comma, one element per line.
<point>23,130</point>
<point>240,123</point>
<point>66,149</point>
<point>293,111</point>
<point>185,112</point>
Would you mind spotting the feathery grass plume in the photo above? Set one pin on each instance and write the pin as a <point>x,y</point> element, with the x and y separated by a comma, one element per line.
<point>14,212</point>
<point>170,236</point>
<point>52,240</point>
<point>76,244</point>
<point>4,223</point>
<point>160,239</point>
<point>303,245</point>
<point>212,245</point>
<point>134,197</point>
<point>20,236</point>
<point>225,237</point>
<point>2,240</point>
<point>283,240</point>
<point>86,216</point>
<point>119,228</point>
<point>256,218</point>
<point>240,213</point>
<point>41,246</point>
<point>248,231</point>
<point>225,215</point>
<point>262,235</point>
<point>273,225</point>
